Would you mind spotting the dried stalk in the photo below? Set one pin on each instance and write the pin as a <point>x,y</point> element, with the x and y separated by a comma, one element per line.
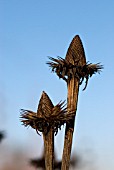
<point>49,149</point>
<point>72,99</point>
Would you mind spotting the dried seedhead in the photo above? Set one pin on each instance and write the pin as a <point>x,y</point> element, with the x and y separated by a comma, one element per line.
<point>47,116</point>
<point>75,53</point>
<point>74,64</point>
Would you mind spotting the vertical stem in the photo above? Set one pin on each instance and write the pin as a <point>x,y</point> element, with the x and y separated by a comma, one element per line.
<point>49,149</point>
<point>72,99</point>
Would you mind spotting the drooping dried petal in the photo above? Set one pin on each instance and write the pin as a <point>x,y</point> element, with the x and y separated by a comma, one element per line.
<point>88,70</point>
<point>94,68</point>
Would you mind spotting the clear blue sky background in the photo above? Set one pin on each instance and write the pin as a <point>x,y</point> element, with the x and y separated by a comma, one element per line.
<point>31,30</point>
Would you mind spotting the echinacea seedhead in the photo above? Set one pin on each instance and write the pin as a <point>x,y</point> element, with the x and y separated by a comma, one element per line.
<point>75,54</point>
<point>47,116</point>
<point>74,64</point>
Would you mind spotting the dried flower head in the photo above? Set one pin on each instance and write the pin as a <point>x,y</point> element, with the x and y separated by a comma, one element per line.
<point>74,64</point>
<point>47,116</point>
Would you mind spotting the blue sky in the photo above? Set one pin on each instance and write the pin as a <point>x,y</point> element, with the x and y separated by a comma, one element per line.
<point>32,30</point>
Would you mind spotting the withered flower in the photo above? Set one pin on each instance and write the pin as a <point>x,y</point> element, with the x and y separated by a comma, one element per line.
<point>47,116</point>
<point>74,64</point>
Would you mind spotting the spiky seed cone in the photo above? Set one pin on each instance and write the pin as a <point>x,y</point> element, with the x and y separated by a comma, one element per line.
<point>75,53</point>
<point>45,105</point>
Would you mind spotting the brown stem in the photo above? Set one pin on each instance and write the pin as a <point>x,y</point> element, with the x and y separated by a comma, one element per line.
<point>49,149</point>
<point>72,99</point>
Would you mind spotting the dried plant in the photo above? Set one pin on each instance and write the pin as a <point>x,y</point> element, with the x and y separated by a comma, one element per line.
<point>49,118</point>
<point>73,69</point>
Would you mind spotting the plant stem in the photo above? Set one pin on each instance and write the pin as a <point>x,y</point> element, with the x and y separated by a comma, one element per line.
<point>49,149</point>
<point>72,99</point>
